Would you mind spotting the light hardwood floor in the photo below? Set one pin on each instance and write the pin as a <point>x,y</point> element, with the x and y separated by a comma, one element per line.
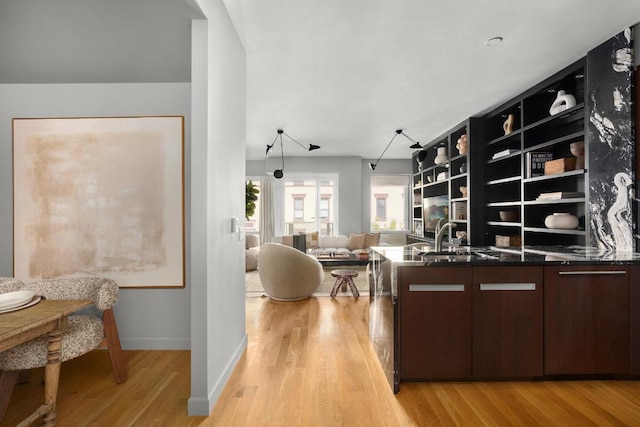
<point>155,394</point>
<point>310,363</point>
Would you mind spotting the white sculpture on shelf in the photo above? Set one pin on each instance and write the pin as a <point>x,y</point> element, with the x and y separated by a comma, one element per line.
<point>563,102</point>
<point>442,156</point>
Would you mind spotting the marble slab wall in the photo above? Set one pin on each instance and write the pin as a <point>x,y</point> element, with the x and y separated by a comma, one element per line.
<point>610,138</point>
<point>636,211</point>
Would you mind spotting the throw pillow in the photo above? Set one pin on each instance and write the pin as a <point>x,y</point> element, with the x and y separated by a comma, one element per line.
<point>356,241</point>
<point>287,240</point>
<point>312,240</point>
<point>371,239</point>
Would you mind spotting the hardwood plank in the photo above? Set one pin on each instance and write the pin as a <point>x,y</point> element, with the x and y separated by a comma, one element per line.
<point>310,363</point>
<point>155,394</point>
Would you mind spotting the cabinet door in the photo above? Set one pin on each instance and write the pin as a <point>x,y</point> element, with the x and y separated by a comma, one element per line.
<point>507,322</point>
<point>634,289</point>
<point>435,322</point>
<point>586,319</point>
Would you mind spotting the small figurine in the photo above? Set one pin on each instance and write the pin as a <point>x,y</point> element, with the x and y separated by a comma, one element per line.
<point>462,144</point>
<point>508,124</point>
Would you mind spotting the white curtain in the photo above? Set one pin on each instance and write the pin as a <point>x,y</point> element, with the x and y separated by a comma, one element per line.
<point>267,220</point>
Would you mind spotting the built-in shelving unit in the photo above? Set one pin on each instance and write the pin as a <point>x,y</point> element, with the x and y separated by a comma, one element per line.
<point>445,190</point>
<point>510,185</point>
<point>509,146</point>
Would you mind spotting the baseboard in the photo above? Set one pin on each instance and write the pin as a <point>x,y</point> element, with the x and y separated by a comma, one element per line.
<point>217,389</point>
<point>155,343</point>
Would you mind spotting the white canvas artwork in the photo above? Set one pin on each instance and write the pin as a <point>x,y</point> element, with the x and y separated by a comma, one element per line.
<point>100,197</point>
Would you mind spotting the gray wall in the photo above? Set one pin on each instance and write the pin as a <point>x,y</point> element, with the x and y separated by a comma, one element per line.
<point>149,319</point>
<point>353,191</point>
<point>216,255</point>
<point>208,314</point>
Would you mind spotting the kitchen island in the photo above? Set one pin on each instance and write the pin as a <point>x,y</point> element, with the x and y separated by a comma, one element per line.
<point>483,313</point>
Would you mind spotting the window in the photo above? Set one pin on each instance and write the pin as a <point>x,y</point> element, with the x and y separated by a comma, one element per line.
<point>389,202</point>
<point>381,207</point>
<point>310,204</point>
<point>324,207</point>
<point>298,208</point>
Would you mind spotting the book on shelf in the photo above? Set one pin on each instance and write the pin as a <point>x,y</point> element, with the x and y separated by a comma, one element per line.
<point>504,153</point>
<point>561,195</point>
<point>535,161</point>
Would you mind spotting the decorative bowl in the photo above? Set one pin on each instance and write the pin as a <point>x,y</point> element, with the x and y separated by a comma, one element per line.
<point>561,220</point>
<point>508,216</point>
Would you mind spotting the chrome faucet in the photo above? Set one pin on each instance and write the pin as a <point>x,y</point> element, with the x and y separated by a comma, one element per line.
<point>438,225</point>
<point>440,233</point>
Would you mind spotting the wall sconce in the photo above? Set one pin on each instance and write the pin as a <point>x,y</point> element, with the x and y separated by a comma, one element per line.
<point>279,173</point>
<point>416,146</point>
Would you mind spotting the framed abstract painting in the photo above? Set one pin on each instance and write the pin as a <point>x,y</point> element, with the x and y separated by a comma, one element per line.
<point>100,196</point>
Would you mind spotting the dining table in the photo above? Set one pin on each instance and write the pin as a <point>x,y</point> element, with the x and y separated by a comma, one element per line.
<point>47,317</point>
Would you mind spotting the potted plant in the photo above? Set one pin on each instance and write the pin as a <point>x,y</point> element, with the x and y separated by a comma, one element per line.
<point>251,196</point>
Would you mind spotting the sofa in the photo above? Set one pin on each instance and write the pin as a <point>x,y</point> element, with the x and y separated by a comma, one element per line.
<point>341,243</point>
<point>252,251</point>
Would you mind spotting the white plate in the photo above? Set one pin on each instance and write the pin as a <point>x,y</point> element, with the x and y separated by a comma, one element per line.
<point>36,299</point>
<point>15,299</point>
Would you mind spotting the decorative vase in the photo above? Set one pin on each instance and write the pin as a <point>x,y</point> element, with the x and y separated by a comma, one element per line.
<point>561,220</point>
<point>577,149</point>
<point>422,155</point>
<point>508,124</point>
<point>563,101</point>
<point>463,168</point>
<point>441,156</point>
<point>463,191</point>
<point>462,144</point>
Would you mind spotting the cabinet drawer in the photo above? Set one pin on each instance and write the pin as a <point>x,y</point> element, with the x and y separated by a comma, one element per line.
<point>530,274</point>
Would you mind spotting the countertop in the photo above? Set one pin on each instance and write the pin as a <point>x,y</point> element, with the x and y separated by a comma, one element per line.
<point>422,254</point>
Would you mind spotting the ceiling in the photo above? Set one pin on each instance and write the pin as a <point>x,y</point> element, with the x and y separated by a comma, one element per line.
<point>342,74</point>
<point>346,74</point>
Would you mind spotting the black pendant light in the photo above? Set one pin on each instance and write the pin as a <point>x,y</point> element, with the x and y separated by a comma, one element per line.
<point>279,173</point>
<point>416,146</point>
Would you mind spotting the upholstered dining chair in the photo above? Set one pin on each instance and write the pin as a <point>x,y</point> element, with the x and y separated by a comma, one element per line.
<point>83,333</point>
<point>288,274</point>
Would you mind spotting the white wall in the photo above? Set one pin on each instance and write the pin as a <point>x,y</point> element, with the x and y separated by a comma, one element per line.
<point>147,318</point>
<point>218,194</point>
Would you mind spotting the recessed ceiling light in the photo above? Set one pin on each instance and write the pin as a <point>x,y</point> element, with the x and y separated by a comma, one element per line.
<point>493,41</point>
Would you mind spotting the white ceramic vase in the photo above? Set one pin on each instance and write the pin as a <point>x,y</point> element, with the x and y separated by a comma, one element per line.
<point>441,156</point>
<point>563,101</point>
<point>561,220</point>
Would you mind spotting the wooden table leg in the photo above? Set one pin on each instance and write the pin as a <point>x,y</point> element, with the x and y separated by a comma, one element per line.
<point>52,376</point>
<point>336,286</point>
<point>353,287</point>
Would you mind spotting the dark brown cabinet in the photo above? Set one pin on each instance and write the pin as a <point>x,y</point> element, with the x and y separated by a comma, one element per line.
<point>586,319</point>
<point>435,322</point>
<point>634,318</point>
<point>507,322</point>
<point>517,321</point>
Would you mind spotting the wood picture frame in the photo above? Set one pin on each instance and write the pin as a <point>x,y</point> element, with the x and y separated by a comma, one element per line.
<point>100,196</point>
